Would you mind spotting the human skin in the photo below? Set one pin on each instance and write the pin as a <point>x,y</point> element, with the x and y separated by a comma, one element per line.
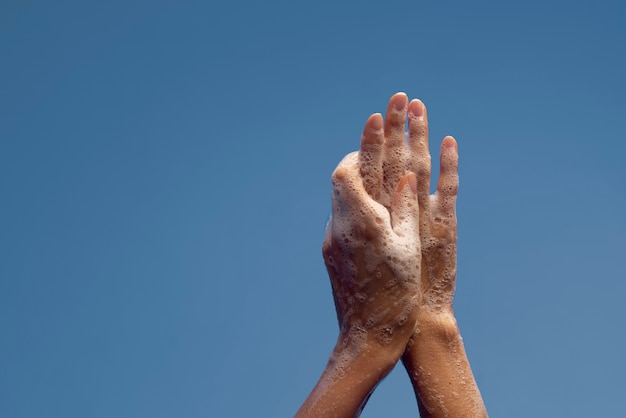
<point>435,357</point>
<point>372,254</point>
<point>390,304</point>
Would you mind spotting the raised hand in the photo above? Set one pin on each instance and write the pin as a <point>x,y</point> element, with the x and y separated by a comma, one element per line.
<point>438,230</point>
<point>435,356</point>
<point>372,246</point>
<point>372,253</point>
<point>390,251</point>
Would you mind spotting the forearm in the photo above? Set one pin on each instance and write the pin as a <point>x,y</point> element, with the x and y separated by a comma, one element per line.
<point>351,375</point>
<point>439,370</point>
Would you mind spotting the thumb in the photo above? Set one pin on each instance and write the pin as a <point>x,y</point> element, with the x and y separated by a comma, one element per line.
<point>404,208</point>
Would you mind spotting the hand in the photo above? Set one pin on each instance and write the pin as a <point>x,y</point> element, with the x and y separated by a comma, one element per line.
<point>372,246</point>
<point>438,229</point>
<point>372,253</point>
<point>435,356</point>
<point>390,250</point>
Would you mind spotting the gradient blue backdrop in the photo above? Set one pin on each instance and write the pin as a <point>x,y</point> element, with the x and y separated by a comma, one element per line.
<point>164,187</point>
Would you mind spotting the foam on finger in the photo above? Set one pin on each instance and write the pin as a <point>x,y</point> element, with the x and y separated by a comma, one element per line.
<point>448,184</point>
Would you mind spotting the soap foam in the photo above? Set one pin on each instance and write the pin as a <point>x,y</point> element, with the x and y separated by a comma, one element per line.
<point>361,225</point>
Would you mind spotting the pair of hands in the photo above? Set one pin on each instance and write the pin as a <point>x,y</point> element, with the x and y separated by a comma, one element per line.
<point>390,251</point>
<point>390,246</point>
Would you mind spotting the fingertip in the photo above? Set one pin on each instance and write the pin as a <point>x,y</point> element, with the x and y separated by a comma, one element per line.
<point>370,154</point>
<point>409,179</point>
<point>416,108</point>
<point>340,174</point>
<point>347,184</point>
<point>346,167</point>
<point>412,180</point>
<point>449,142</point>
<point>404,212</point>
<point>373,132</point>
<point>375,122</point>
<point>399,101</point>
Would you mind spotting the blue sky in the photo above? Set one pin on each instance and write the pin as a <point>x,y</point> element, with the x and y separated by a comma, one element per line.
<point>164,187</point>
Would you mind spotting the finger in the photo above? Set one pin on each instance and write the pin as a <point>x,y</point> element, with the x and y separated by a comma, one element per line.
<point>448,184</point>
<point>394,160</point>
<point>370,155</point>
<point>349,195</point>
<point>404,213</point>
<point>419,156</point>
<point>357,219</point>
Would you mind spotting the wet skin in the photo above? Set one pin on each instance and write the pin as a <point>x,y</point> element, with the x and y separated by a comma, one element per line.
<point>390,251</point>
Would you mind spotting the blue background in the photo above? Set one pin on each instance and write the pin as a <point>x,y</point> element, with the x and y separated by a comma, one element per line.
<point>164,187</point>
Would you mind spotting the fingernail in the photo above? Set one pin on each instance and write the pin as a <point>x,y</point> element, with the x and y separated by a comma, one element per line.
<point>416,108</point>
<point>399,101</point>
<point>376,122</point>
<point>448,142</point>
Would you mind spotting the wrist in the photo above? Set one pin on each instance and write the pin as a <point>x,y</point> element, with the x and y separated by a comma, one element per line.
<point>435,330</point>
<point>439,370</point>
<point>364,353</point>
<point>439,323</point>
<point>354,369</point>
